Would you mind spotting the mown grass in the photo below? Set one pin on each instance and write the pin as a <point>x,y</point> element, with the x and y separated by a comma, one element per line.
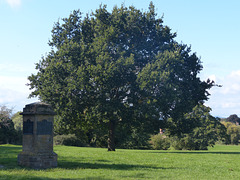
<point>221,162</point>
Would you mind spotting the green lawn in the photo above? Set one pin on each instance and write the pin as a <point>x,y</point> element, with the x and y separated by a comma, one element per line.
<point>221,162</point>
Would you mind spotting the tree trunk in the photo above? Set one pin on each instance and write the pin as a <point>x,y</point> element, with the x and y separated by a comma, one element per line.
<point>111,136</point>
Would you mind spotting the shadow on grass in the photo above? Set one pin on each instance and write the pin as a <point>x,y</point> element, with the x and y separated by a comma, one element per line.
<point>27,177</point>
<point>64,165</point>
<point>95,165</point>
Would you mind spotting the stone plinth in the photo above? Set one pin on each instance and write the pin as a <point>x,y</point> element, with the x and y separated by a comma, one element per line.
<point>37,149</point>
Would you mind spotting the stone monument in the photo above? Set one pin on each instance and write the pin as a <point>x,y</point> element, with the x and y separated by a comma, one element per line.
<point>37,149</point>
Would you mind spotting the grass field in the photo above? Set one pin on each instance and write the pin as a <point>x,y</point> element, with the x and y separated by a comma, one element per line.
<point>220,162</point>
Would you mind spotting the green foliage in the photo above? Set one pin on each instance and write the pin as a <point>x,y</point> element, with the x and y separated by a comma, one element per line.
<point>206,130</point>
<point>233,132</point>
<point>7,131</point>
<point>18,121</point>
<point>189,142</point>
<point>160,142</point>
<point>118,67</point>
<point>173,87</point>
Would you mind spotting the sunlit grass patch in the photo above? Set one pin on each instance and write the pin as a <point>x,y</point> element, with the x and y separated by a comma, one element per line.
<point>221,162</point>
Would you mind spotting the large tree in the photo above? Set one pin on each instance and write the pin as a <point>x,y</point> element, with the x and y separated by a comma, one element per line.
<point>117,68</point>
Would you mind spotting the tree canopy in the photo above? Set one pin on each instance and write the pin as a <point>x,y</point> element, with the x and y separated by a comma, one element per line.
<point>233,119</point>
<point>119,68</point>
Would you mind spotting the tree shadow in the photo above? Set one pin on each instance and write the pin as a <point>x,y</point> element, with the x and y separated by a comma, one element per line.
<point>27,177</point>
<point>67,162</point>
<point>98,165</point>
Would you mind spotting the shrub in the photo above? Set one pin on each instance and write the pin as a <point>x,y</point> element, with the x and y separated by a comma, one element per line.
<point>204,130</point>
<point>177,143</point>
<point>68,140</point>
<point>189,142</point>
<point>160,142</point>
<point>186,142</point>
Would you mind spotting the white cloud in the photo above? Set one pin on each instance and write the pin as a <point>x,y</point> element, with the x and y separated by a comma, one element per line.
<point>15,99</point>
<point>13,83</point>
<point>14,3</point>
<point>14,92</point>
<point>13,89</point>
<point>225,100</point>
<point>231,84</point>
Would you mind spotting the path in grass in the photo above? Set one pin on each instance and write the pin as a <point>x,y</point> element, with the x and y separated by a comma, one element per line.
<point>221,162</point>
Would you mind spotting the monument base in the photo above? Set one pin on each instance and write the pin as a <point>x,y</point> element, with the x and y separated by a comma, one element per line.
<point>37,161</point>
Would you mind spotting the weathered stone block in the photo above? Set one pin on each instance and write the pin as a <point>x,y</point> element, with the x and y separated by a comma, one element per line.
<point>38,137</point>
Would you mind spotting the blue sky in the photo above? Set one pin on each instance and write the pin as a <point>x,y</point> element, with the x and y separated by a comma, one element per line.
<point>211,27</point>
